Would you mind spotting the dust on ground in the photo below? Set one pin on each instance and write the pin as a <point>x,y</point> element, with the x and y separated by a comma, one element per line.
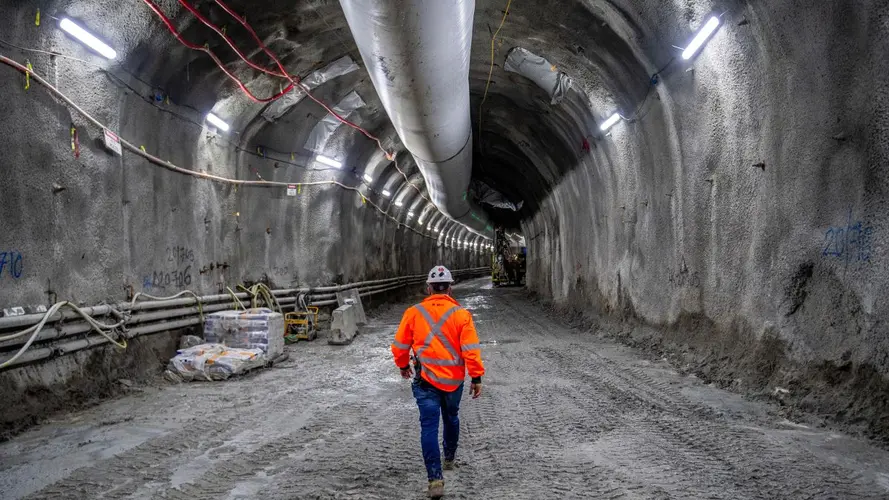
<point>565,414</point>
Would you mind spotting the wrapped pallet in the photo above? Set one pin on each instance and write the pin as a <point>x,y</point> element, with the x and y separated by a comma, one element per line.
<point>260,329</point>
<point>214,362</point>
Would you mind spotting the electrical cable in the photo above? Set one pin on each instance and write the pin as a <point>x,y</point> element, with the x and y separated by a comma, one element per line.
<point>491,68</point>
<point>49,52</point>
<point>99,327</point>
<point>202,175</point>
<point>652,82</point>
<point>169,24</point>
<point>206,22</point>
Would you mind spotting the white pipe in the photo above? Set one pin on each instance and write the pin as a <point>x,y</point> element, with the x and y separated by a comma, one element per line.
<point>417,55</point>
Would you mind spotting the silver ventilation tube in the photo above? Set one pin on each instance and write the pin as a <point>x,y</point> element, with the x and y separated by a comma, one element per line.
<point>417,54</point>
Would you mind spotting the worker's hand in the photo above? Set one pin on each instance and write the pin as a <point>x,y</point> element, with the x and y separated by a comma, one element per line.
<point>476,390</point>
<point>407,373</point>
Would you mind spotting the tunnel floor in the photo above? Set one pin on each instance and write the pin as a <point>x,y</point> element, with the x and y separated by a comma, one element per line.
<point>565,414</point>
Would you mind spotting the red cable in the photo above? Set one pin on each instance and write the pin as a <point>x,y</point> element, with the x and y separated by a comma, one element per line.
<point>230,43</point>
<point>210,53</point>
<point>305,89</point>
<point>249,28</point>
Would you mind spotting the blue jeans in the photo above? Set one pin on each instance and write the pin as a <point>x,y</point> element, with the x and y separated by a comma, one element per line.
<point>435,403</point>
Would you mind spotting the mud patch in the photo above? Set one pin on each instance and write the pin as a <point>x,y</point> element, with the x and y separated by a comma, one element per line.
<point>33,393</point>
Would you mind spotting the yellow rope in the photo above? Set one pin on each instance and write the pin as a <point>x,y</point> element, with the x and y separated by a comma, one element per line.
<point>491,69</point>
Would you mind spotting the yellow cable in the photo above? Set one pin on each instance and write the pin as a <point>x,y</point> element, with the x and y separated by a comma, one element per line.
<point>234,296</point>
<point>491,69</point>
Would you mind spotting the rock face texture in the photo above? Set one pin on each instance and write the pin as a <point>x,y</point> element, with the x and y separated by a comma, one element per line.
<point>737,214</point>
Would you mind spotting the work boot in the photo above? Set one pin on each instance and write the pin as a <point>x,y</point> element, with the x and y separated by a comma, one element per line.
<point>436,489</point>
<point>449,464</point>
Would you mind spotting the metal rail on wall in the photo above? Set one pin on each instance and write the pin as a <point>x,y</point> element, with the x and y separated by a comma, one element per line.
<point>156,316</point>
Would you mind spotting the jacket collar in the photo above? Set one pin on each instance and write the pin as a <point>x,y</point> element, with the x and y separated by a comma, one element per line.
<point>441,296</point>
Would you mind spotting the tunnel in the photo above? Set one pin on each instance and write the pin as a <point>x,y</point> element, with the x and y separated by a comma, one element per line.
<point>697,190</point>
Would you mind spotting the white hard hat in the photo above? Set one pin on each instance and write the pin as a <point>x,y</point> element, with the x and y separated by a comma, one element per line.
<point>440,274</point>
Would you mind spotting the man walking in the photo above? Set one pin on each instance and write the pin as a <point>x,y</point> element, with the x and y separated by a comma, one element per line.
<point>445,344</point>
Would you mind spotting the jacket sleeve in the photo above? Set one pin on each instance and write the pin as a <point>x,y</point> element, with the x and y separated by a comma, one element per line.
<point>404,339</point>
<point>472,350</point>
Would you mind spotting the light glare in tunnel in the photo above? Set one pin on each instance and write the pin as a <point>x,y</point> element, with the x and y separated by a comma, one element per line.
<point>368,178</point>
<point>217,122</point>
<point>610,122</point>
<point>87,38</point>
<point>328,161</point>
<point>399,203</point>
<point>701,37</point>
<point>386,193</point>
<point>410,214</point>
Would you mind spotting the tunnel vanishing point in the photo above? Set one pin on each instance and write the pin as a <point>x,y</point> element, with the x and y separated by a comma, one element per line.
<point>707,180</point>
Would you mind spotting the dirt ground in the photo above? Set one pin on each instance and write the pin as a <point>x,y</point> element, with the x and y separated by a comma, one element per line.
<point>565,414</point>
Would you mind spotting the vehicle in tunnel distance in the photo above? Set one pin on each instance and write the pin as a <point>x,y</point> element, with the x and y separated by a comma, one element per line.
<point>508,263</point>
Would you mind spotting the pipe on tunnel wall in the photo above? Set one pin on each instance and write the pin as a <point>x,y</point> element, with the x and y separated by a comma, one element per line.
<point>417,54</point>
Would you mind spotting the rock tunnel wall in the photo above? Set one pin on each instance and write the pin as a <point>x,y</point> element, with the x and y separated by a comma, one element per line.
<point>747,206</point>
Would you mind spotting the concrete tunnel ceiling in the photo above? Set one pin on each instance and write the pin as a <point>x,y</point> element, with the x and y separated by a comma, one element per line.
<point>716,202</point>
<point>525,144</point>
<point>517,119</point>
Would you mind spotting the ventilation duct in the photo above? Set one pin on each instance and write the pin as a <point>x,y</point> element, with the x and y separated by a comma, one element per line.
<point>417,55</point>
<point>539,71</point>
<point>490,196</point>
<point>342,66</point>
<point>325,128</point>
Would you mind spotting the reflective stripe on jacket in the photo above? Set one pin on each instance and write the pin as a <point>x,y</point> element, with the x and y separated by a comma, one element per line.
<point>443,338</point>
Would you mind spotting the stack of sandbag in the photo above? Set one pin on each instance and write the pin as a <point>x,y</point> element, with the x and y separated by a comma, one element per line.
<point>258,328</point>
<point>213,362</point>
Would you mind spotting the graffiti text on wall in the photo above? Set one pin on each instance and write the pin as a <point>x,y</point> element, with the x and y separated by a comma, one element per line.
<point>177,273</point>
<point>850,243</point>
<point>11,264</point>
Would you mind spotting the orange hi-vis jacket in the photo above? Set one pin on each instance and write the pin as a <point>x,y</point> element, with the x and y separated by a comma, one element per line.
<point>443,338</point>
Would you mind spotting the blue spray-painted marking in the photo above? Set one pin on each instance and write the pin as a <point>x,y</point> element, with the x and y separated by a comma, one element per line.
<point>12,263</point>
<point>850,243</point>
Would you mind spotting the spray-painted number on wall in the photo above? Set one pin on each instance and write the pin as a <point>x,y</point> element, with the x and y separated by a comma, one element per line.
<point>853,242</point>
<point>180,255</point>
<point>11,264</point>
<point>161,279</point>
<point>180,260</point>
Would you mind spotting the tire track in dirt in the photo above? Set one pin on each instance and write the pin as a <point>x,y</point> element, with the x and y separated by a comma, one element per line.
<point>558,419</point>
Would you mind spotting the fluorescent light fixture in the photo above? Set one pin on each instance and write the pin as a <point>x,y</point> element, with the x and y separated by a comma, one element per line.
<point>437,230</point>
<point>386,193</point>
<point>410,214</point>
<point>701,37</point>
<point>399,203</point>
<point>328,161</point>
<point>87,38</point>
<point>368,178</point>
<point>420,221</point>
<point>605,126</point>
<point>217,122</point>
